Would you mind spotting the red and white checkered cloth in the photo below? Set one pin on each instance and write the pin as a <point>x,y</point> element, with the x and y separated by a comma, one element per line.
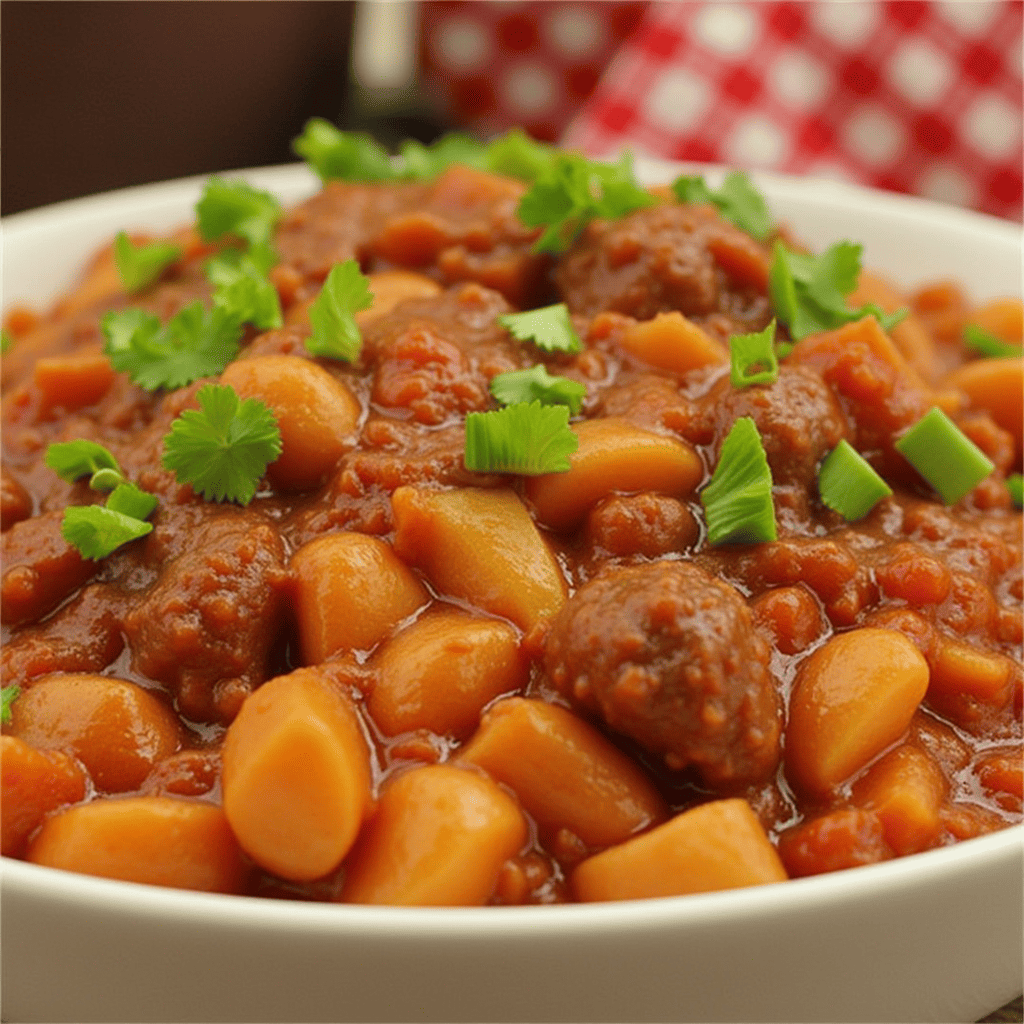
<point>911,95</point>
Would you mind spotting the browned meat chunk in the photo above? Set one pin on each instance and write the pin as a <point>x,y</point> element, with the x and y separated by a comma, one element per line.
<point>669,656</point>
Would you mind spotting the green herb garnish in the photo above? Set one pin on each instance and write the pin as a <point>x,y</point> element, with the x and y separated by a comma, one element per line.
<point>196,343</point>
<point>848,484</point>
<point>753,359</point>
<point>737,200</point>
<point>985,343</point>
<point>140,265</point>
<point>549,328</point>
<point>344,156</point>
<point>243,290</point>
<point>809,292</point>
<point>525,439</point>
<point>236,208</point>
<point>418,162</point>
<point>335,331</point>
<point>71,460</point>
<point>738,500</point>
<point>517,155</point>
<point>8,695</point>
<point>223,448</point>
<point>571,191</point>
<point>97,531</point>
<point>1015,485</point>
<point>537,385</point>
<point>6,341</point>
<point>940,451</point>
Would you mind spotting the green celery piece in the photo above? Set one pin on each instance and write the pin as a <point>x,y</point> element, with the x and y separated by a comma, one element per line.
<point>738,501</point>
<point>549,328</point>
<point>848,484</point>
<point>536,384</point>
<point>343,156</point>
<point>525,439</point>
<point>949,460</point>
<point>748,352</point>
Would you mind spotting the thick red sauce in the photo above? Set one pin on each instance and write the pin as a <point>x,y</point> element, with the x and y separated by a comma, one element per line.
<point>683,658</point>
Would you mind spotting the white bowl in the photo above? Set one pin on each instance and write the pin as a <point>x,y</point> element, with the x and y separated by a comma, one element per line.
<point>933,937</point>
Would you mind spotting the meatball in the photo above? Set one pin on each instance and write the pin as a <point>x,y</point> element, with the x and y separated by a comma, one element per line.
<point>668,655</point>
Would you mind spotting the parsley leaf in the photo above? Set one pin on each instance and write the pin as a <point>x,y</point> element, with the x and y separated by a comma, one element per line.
<point>96,531</point>
<point>738,500</point>
<point>571,191</point>
<point>526,439</point>
<point>196,343</point>
<point>8,695</point>
<point>737,200</point>
<point>236,208</point>
<point>537,385</point>
<point>549,328</point>
<point>332,314</point>
<point>753,359</point>
<point>344,156</point>
<point>809,292</point>
<point>140,265</point>
<point>223,448</point>
<point>243,289</point>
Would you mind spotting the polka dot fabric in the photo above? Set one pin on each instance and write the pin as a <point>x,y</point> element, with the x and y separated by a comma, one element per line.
<point>906,95</point>
<point>492,65</point>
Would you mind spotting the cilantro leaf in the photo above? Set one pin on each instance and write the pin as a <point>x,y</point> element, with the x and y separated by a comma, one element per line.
<point>243,289</point>
<point>537,385</point>
<point>344,156</point>
<point>236,208</point>
<point>549,328</point>
<point>196,343</point>
<point>332,314</point>
<point>809,292</point>
<point>419,162</point>
<point>571,191</point>
<point>526,439</point>
<point>96,531</point>
<point>8,695</point>
<point>753,359</point>
<point>223,448</point>
<point>132,501</point>
<point>517,155</point>
<point>71,460</point>
<point>140,265</point>
<point>737,200</point>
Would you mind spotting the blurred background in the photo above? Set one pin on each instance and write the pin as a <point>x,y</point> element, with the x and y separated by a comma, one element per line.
<point>912,95</point>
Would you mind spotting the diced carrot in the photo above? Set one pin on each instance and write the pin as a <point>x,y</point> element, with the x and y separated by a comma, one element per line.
<point>439,838</point>
<point>72,381</point>
<point>565,773</point>
<point>997,386</point>
<point>480,546</point>
<point>296,776</point>
<point>155,840</point>
<point>1002,317</point>
<point>32,784</point>
<point>117,729</point>
<point>671,342</point>
<point>613,455</point>
<point>718,845</point>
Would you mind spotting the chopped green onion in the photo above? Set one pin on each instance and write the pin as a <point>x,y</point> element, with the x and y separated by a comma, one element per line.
<point>536,384</point>
<point>332,315</point>
<point>737,200</point>
<point>738,501</point>
<point>1015,485</point>
<point>8,695</point>
<point>985,343</point>
<point>140,265</point>
<point>949,460</point>
<point>526,439</point>
<point>753,359</point>
<point>549,328</point>
<point>848,484</point>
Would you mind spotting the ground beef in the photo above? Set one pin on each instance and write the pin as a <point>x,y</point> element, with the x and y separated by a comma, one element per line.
<point>669,656</point>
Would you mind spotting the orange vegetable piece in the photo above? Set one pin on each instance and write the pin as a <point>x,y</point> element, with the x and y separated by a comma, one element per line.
<point>296,776</point>
<point>671,342</point>
<point>718,845</point>
<point>156,840</point>
<point>391,287</point>
<point>73,380</point>
<point>117,729</point>
<point>351,590</point>
<point>565,773</point>
<point>32,784</point>
<point>440,672</point>
<point>997,386</point>
<point>480,546</point>
<point>439,838</point>
<point>1002,317</point>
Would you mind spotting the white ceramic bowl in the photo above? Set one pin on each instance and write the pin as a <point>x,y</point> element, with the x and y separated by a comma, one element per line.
<point>934,937</point>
